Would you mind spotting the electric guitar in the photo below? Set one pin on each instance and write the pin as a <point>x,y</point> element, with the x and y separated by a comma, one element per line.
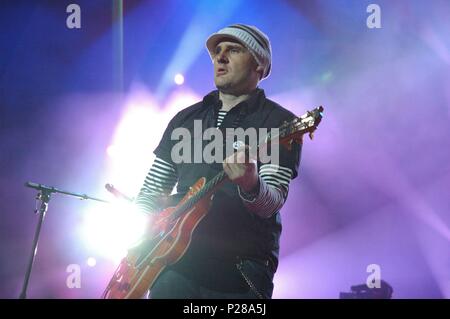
<point>169,235</point>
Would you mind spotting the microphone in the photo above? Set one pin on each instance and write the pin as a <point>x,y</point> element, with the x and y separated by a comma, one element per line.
<point>110,188</point>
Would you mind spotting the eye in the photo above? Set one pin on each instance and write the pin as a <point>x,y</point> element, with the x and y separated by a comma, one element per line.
<point>235,50</point>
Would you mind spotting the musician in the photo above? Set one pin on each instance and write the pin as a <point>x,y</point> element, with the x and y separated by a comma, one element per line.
<point>234,249</point>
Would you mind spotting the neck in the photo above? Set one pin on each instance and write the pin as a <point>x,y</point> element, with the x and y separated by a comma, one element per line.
<point>230,100</point>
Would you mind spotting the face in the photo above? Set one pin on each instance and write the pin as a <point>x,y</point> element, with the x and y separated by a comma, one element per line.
<point>235,69</point>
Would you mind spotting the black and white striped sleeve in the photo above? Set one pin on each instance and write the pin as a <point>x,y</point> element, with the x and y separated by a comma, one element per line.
<point>159,181</point>
<point>272,191</point>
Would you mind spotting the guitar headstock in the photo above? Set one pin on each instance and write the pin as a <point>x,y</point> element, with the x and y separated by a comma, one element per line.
<point>294,130</point>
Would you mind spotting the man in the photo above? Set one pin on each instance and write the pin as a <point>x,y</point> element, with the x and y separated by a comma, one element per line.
<point>234,249</point>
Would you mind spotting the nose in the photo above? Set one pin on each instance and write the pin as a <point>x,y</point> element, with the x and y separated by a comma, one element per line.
<point>222,57</point>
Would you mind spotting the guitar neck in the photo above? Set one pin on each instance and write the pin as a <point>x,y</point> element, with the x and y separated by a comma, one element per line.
<point>287,133</point>
<point>209,187</point>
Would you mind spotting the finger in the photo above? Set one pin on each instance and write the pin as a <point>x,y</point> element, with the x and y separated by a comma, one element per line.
<point>230,159</point>
<point>238,157</point>
<point>252,154</point>
<point>226,167</point>
<point>229,170</point>
<point>249,153</point>
<point>242,154</point>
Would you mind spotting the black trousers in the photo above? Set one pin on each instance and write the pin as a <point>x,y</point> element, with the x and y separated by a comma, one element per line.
<point>247,279</point>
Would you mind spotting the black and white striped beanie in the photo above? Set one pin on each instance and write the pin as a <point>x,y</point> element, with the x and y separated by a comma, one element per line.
<point>251,37</point>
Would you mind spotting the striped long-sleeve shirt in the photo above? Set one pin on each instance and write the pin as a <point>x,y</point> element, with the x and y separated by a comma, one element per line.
<point>273,186</point>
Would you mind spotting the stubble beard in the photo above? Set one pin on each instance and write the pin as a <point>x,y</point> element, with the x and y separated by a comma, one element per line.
<point>224,86</point>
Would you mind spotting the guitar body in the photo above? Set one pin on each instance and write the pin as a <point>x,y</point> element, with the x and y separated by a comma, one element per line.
<point>165,243</point>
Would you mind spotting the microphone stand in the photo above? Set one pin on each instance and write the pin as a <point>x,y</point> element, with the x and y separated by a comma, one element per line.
<point>44,197</point>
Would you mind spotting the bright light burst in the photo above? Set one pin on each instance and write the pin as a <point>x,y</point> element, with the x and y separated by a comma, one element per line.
<point>110,230</point>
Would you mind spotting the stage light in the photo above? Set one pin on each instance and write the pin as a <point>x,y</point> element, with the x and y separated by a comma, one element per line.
<point>179,79</point>
<point>110,230</point>
<point>91,262</point>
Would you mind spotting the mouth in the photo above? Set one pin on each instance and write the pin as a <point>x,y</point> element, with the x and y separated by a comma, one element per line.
<point>221,71</point>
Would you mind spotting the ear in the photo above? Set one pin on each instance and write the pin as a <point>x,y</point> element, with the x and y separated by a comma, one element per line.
<point>260,70</point>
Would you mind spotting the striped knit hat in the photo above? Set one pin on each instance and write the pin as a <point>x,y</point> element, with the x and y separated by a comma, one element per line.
<point>251,37</point>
